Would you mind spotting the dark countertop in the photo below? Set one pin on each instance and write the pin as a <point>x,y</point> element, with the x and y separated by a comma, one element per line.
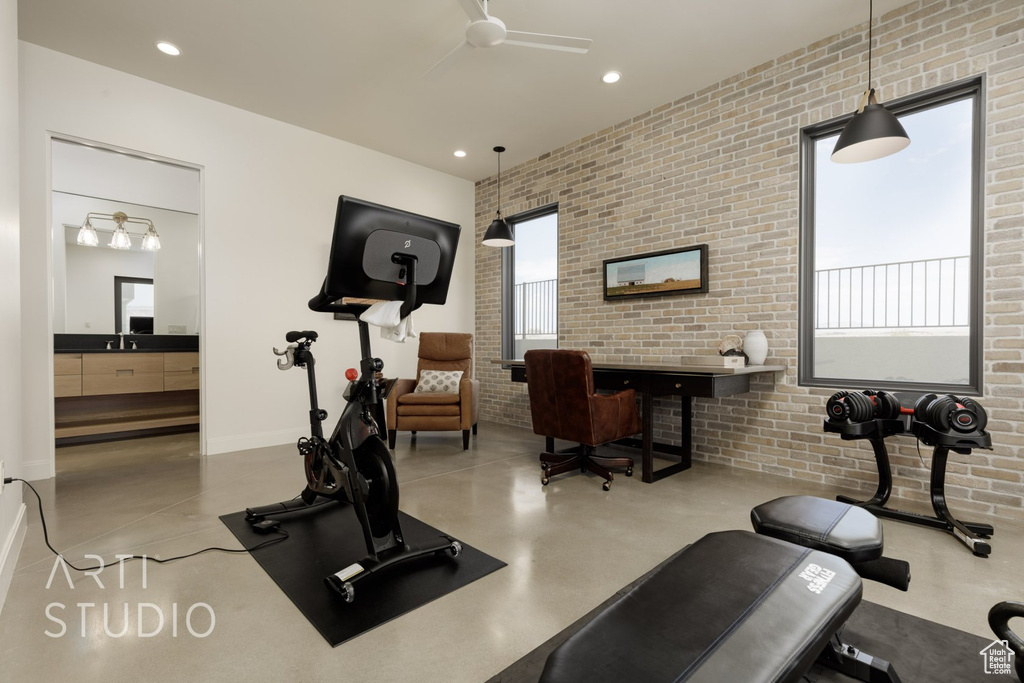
<point>97,343</point>
<point>139,350</point>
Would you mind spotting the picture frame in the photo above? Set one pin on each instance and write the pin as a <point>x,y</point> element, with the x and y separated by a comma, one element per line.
<point>659,273</point>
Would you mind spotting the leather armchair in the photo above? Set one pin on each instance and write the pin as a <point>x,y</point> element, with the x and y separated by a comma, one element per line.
<point>564,405</point>
<point>408,410</point>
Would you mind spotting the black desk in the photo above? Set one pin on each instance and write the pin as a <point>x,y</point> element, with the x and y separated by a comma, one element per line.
<point>650,381</point>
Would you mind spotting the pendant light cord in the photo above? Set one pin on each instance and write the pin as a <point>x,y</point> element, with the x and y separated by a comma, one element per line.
<point>499,183</point>
<point>871,14</point>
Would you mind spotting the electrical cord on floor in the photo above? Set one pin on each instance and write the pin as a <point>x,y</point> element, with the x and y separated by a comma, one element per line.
<point>129,558</point>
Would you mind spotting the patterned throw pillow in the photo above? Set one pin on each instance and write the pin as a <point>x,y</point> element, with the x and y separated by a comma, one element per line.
<point>439,382</point>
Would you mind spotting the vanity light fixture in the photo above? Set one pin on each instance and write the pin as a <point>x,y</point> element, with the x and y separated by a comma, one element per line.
<point>499,233</point>
<point>460,153</point>
<point>168,48</point>
<point>873,132</point>
<point>120,238</point>
<point>611,77</point>
<point>87,236</point>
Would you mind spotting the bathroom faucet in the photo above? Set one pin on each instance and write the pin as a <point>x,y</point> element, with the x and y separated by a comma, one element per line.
<point>121,335</point>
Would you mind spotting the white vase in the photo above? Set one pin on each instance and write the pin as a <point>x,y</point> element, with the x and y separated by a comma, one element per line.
<point>755,345</point>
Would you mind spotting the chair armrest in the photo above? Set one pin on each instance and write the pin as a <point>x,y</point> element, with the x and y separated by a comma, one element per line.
<point>615,415</point>
<point>469,401</point>
<point>402,386</point>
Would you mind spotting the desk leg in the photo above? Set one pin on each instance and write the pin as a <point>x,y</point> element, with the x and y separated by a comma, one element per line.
<point>686,405</point>
<point>647,438</point>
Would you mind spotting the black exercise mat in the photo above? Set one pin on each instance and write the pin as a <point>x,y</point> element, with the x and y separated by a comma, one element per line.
<point>328,538</point>
<point>921,651</point>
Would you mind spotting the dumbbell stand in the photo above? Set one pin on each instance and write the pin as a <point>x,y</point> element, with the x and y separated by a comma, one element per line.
<point>971,534</point>
<point>875,431</point>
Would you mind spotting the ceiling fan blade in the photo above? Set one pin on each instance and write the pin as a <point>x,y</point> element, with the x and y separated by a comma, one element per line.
<point>442,64</point>
<point>548,42</point>
<point>474,10</point>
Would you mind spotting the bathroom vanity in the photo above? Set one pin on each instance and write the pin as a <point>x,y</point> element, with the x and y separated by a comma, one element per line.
<point>102,394</point>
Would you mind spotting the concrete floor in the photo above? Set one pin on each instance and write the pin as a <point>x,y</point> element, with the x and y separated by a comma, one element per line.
<point>568,546</point>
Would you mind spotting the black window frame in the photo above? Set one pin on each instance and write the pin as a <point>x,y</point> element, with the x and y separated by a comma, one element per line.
<point>508,280</point>
<point>971,88</point>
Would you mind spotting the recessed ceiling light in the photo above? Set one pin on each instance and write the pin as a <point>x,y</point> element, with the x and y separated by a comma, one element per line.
<point>460,153</point>
<point>168,48</point>
<point>611,77</point>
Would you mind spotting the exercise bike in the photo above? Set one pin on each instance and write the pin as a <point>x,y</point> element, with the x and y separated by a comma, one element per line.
<point>354,466</point>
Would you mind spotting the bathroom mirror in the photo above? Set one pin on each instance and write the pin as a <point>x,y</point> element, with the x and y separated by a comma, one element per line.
<point>86,297</point>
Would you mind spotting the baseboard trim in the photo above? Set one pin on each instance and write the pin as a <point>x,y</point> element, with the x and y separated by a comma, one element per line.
<point>10,552</point>
<point>36,470</point>
<point>230,444</point>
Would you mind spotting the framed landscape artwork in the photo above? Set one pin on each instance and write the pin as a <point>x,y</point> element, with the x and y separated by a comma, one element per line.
<point>676,271</point>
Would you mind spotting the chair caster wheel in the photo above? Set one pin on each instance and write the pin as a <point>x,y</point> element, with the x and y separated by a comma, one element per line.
<point>544,481</point>
<point>607,486</point>
<point>455,548</point>
<point>543,465</point>
<point>629,471</point>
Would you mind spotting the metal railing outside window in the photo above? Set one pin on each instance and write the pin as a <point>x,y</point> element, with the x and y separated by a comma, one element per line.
<point>905,294</point>
<point>536,309</point>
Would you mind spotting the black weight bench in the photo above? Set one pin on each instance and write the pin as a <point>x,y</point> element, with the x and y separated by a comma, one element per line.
<point>738,606</point>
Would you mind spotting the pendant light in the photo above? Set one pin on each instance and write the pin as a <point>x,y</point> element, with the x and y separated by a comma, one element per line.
<point>499,233</point>
<point>873,132</point>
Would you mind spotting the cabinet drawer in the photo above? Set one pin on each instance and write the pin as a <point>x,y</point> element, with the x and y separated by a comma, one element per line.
<point>610,380</point>
<point>67,364</point>
<point>67,385</point>
<point>176,381</point>
<point>181,362</point>
<point>122,381</point>
<point>109,364</point>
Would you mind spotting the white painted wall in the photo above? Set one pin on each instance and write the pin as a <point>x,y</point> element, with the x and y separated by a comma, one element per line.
<point>12,510</point>
<point>95,172</point>
<point>269,195</point>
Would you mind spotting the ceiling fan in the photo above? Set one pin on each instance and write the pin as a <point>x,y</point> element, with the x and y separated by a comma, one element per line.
<point>485,30</point>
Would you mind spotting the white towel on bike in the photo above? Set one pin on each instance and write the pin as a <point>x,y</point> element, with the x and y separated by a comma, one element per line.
<point>386,316</point>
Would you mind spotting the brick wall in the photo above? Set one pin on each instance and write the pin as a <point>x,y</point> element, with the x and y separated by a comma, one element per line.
<point>721,166</point>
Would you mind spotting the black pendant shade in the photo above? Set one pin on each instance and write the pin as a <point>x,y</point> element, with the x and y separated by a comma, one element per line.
<point>873,132</point>
<point>499,233</point>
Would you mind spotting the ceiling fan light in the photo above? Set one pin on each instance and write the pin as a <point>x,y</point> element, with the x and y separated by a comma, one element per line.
<point>871,134</point>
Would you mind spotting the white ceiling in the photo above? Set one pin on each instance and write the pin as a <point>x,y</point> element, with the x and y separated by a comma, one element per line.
<point>353,69</point>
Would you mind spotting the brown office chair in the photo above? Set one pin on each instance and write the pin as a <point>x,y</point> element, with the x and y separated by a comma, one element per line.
<point>564,406</point>
<point>453,407</point>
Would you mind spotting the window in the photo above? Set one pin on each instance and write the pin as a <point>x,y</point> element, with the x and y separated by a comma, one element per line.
<point>891,253</point>
<point>530,284</point>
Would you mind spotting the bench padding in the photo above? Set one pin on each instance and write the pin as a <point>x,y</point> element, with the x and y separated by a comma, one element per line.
<point>734,606</point>
<point>850,532</point>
